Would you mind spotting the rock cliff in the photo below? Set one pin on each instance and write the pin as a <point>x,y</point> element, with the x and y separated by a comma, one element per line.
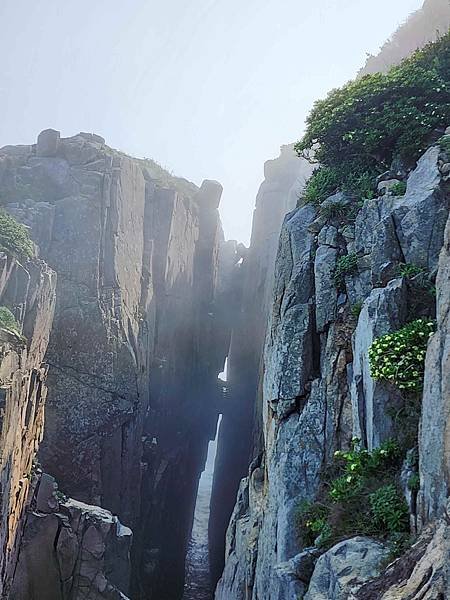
<point>240,437</point>
<point>137,341</point>
<point>317,391</point>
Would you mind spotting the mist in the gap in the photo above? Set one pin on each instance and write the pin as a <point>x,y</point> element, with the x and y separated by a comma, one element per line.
<point>198,582</point>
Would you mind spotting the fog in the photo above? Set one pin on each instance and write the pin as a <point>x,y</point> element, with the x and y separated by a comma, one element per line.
<point>208,88</point>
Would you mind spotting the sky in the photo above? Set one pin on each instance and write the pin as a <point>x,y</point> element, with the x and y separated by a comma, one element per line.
<point>209,88</point>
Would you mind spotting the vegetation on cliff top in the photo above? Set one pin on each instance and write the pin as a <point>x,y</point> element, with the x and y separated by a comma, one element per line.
<point>357,131</point>
<point>14,238</point>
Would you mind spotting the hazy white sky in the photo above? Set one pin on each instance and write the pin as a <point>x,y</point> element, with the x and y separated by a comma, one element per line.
<point>208,88</point>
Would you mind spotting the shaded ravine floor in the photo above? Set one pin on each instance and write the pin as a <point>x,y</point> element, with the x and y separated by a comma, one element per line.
<point>198,585</point>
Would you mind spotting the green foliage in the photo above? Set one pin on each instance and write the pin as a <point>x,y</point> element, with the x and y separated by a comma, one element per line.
<point>398,189</point>
<point>345,265</point>
<point>336,210</point>
<point>14,238</point>
<point>356,131</point>
<point>444,144</point>
<point>414,482</point>
<point>409,270</point>
<point>358,464</point>
<point>7,319</point>
<point>323,182</point>
<point>399,357</point>
<point>362,499</point>
<point>389,509</point>
<point>356,309</point>
<point>312,520</point>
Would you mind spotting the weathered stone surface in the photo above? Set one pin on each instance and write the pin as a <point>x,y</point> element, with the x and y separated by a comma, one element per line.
<point>284,179</point>
<point>421,214</point>
<point>434,429</point>
<point>422,573</point>
<point>384,310</point>
<point>137,256</point>
<point>47,143</point>
<point>345,567</point>
<point>77,552</point>
<point>29,291</point>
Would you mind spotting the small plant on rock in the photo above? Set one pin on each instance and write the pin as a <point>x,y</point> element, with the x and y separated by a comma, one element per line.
<point>398,189</point>
<point>409,270</point>
<point>7,319</point>
<point>399,357</point>
<point>345,265</point>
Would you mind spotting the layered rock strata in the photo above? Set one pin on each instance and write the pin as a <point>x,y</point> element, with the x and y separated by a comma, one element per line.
<point>138,336</point>
<point>29,291</point>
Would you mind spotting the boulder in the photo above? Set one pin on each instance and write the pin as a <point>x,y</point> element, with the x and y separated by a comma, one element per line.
<point>48,143</point>
<point>345,567</point>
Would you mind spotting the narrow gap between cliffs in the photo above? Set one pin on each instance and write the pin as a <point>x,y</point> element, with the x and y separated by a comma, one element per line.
<point>198,577</point>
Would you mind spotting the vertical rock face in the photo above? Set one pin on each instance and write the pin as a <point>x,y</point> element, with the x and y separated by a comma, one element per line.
<point>137,340</point>
<point>317,387</point>
<point>284,177</point>
<point>71,551</point>
<point>30,291</point>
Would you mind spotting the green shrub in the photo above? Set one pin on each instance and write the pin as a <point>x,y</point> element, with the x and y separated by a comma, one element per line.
<point>7,319</point>
<point>323,182</point>
<point>409,270</point>
<point>345,265</point>
<point>398,189</point>
<point>14,238</point>
<point>363,499</point>
<point>312,520</point>
<point>444,144</point>
<point>355,133</point>
<point>389,509</point>
<point>399,357</point>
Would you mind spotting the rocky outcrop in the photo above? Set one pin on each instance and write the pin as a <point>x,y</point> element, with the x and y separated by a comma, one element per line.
<point>344,568</point>
<point>138,336</point>
<point>240,437</point>
<point>317,387</point>
<point>71,551</point>
<point>29,291</point>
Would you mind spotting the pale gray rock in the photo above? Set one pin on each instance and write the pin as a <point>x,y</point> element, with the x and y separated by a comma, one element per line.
<point>48,143</point>
<point>345,567</point>
<point>434,428</point>
<point>385,310</point>
<point>421,215</point>
<point>325,287</point>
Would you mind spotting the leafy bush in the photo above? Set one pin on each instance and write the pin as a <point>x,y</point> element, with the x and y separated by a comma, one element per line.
<point>399,357</point>
<point>362,499</point>
<point>444,144</point>
<point>398,189</point>
<point>345,265</point>
<point>14,238</point>
<point>7,319</point>
<point>356,131</point>
<point>389,509</point>
<point>409,270</point>
<point>312,520</point>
